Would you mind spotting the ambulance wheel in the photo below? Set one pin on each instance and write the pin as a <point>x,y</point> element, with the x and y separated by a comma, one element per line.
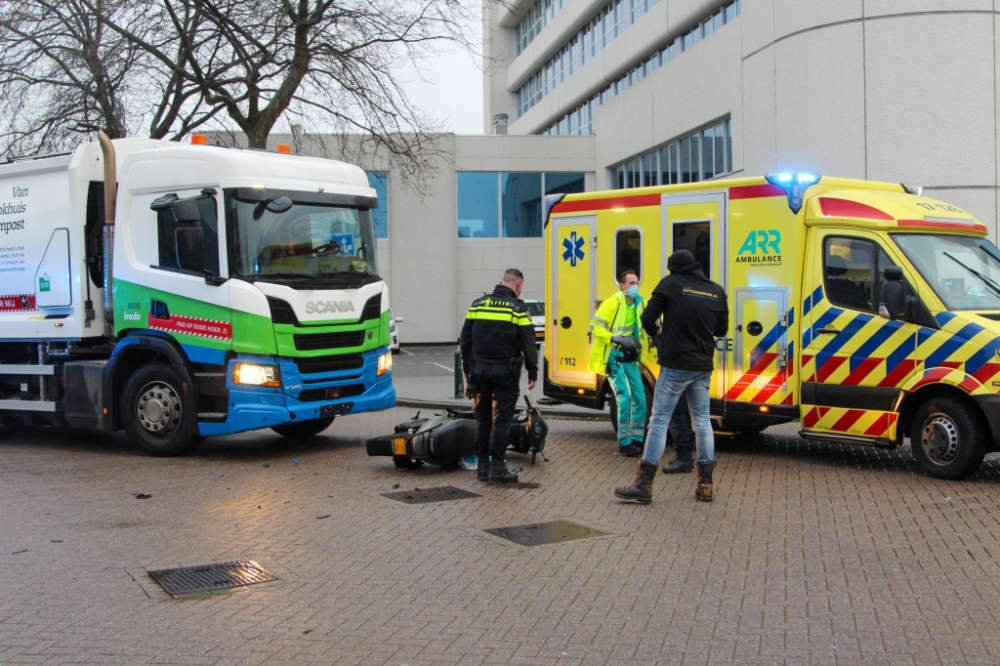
<point>158,412</point>
<point>303,429</point>
<point>948,439</point>
<point>405,462</point>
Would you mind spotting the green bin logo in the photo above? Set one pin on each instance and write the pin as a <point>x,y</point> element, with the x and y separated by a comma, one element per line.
<point>44,284</point>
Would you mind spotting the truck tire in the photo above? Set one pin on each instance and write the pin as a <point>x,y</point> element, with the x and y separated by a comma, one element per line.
<point>948,438</point>
<point>303,429</point>
<point>159,416</point>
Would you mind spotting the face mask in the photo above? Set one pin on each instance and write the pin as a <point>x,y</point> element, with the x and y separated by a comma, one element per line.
<point>632,291</point>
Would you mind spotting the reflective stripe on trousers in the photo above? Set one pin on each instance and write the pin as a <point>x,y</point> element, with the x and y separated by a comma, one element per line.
<point>626,383</point>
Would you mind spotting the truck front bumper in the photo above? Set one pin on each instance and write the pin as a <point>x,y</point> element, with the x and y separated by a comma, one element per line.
<point>304,395</point>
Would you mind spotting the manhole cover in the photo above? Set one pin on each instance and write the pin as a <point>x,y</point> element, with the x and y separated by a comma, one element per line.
<point>539,534</point>
<point>209,577</point>
<point>428,495</point>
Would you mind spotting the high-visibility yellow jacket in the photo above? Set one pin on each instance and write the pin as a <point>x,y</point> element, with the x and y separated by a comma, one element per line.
<point>608,321</point>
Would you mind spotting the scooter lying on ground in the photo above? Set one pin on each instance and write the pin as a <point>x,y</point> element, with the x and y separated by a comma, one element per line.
<point>450,437</point>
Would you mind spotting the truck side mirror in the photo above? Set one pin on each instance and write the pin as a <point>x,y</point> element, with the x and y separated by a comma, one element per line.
<point>894,302</point>
<point>190,243</point>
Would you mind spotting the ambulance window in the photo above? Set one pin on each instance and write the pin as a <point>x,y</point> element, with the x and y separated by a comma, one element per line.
<point>166,232</point>
<point>628,252</point>
<point>696,238</point>
<point>849,272</point>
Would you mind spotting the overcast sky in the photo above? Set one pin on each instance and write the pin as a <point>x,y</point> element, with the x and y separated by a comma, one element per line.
<point>452,91</point>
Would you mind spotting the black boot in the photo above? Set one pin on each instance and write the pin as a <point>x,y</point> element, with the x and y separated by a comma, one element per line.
<point>483,469</point>
<point>642,490</point>
<point>499,472</point>
<point>703,490</point>
<point>633,450</point>
<point>682,464</point>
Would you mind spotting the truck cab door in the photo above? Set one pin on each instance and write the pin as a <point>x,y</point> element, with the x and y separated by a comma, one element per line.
<point>185,300</point>
<point>697,222</point>
<point>853,360</point>
<point>572,299</point>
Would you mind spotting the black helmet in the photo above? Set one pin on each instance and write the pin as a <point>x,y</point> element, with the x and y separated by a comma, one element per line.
<point>629,347</point>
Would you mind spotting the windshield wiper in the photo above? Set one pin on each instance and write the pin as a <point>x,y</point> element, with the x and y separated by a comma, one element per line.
<point>988,281</point>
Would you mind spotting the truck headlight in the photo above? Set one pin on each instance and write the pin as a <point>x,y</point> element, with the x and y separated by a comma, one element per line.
<point>384,364</point>
<point>253,374</point>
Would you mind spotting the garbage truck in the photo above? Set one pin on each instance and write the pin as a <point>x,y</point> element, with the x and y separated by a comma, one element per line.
<point>869,312</point>
<point>178,291</point>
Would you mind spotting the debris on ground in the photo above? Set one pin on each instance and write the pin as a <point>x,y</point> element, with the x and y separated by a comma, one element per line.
<point>325,515</point>
<point>142,496</point>
<point>18,552</point>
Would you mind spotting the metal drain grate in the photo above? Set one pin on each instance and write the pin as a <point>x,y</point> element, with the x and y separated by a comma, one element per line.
<point>540,534</point>
<point>428,495</point>
<point>209,577</point>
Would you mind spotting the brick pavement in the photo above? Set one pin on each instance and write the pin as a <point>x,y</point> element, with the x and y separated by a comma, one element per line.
<point>812,554</point>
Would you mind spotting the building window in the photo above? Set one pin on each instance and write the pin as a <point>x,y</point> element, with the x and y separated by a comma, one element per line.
<point>540,14</point>
<point>701,155</point>
<point>478,205</point>
<point>521,204</point>
<point>509,204</point>
<point>628,252</point>
<point>379,181</point>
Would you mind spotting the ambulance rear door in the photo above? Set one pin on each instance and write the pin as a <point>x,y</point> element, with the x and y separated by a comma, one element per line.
<point>572,299</point>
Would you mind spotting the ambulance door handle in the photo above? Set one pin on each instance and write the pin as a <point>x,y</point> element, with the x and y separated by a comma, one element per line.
<point>827,331</point>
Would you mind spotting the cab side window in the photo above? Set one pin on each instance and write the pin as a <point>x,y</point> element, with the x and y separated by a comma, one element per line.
<point>168,242</point>
<point>628,252</point>
<point>851,276</point>
<point>849,272</point>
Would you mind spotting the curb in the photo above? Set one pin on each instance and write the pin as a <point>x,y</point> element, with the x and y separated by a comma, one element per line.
<point>559,414</point>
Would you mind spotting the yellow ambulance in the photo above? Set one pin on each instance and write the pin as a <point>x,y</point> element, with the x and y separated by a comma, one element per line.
<point>865,310</point>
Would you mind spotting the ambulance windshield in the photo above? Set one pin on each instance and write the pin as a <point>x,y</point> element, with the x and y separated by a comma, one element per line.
<point>963,271</point>
<point>307,243</point>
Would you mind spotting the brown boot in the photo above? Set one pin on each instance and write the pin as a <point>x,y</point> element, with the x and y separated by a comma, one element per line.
<point>703,490</point>
<point>642,490</point>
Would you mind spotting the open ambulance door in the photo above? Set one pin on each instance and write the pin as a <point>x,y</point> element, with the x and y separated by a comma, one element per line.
<point>698,222</point>
<point>572,299</point>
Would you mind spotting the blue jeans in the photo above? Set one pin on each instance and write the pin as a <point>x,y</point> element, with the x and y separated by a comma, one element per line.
<point>671,385</point>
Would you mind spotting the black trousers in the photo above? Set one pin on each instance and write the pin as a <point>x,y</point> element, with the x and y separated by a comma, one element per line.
<point>681,432</point>
<point>498,391</point>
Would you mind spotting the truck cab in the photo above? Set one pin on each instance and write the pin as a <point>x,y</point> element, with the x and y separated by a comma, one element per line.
<point>867,311</point>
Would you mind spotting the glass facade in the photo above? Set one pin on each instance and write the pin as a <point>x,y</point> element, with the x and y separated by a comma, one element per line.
<point>579,121</point>
<point>537,18</point>
<point>495,204</point>
<point>704,154</point>
<point>379,180</point>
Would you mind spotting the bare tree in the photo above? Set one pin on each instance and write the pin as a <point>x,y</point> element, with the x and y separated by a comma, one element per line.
<point>64,75</point>
<point>325,65</point>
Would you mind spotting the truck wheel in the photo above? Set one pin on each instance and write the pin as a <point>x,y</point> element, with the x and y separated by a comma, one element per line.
<point>948,439</point>
<point>303,429</point>
<point>158,414</point>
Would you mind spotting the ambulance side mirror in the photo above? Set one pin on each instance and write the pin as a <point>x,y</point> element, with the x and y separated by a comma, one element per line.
<point>894,302</point>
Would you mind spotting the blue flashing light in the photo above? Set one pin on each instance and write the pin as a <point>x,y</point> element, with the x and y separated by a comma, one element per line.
<point>794,185</point>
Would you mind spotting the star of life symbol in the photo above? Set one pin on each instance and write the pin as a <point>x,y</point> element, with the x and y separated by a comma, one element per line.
<point>574,249</point>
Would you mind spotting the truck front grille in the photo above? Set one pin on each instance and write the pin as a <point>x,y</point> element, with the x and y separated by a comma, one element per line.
<point>339,340</point>
<point>312,366</point>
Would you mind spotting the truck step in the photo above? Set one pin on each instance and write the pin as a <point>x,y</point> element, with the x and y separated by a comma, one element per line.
<point>211,415</point>
<point>28,405</point>
<point>27,369</point>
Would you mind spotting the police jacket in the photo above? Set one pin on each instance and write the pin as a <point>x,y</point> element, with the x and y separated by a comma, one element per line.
<point>498,330</point>
<point>695,311</point>
<point>609,321</point>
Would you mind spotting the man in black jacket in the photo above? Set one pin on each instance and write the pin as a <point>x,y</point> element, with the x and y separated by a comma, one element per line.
<point>695,312</point>
<point>497,337</point>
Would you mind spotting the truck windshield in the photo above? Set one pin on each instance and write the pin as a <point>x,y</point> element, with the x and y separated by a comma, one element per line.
<point>963,271</point>
<point>307,243</point>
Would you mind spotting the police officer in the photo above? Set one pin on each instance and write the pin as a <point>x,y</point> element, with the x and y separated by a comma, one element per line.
<point>497,338</point>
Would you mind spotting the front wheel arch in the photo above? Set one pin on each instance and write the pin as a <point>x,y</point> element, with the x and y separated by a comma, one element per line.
<point>913,401</point>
